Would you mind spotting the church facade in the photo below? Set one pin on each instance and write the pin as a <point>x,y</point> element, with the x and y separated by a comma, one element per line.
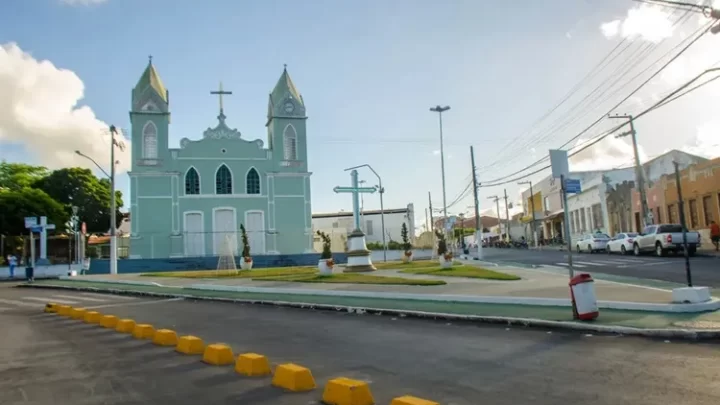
<point>190,201</point>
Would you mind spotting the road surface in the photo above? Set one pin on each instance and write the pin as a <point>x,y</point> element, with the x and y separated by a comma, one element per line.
<point>46,359</point>
<point>705,270</point>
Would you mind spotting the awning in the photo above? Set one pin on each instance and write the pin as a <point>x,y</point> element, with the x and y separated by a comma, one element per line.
<point>555,215</point>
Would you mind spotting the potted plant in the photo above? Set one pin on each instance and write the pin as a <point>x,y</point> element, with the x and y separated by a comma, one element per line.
<point>444,256</point>
<point>247,261</point>
<point>326,263</point>
<point>406,246</point>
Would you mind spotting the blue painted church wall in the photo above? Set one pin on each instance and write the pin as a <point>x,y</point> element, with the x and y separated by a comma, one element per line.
<point>102,266</point>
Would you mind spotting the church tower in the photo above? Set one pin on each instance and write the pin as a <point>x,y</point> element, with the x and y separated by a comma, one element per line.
<point>149,119</point>
<point>286,125</point>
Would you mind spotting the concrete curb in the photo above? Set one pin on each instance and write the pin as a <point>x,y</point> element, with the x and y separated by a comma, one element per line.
<point>687,334</point>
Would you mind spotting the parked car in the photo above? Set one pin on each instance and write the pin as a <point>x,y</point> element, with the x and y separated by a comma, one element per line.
<point>664,238</point>
<point>592,242</point>
<point>622,243</point>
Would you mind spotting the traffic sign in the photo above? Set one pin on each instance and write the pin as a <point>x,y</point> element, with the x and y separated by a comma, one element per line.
<point>572,186</point>
<point>30,222</point>
<point>353,190</point>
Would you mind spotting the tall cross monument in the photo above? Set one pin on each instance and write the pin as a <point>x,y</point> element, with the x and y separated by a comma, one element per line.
<point>358,253</point>
<point>220,93</point>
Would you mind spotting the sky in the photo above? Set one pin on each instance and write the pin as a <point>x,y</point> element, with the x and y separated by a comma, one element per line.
<point>369,72</point>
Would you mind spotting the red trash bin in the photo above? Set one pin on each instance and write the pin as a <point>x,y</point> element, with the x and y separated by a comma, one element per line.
<point>582,293</point>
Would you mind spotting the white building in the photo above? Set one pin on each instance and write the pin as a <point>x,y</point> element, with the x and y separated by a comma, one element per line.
<point>370,221</point>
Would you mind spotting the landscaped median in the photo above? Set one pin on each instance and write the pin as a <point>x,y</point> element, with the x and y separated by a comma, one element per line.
<point>661,324</point>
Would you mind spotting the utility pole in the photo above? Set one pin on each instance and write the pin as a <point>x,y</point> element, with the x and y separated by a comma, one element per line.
<point>681,208</point>
<point>427,225</point>
<point>507,217</point>
<point>440,110</point>
<point>113,209</point>
<point>639,171</point>
<point>432,224</point>
<point>532,207</point>
<point>478,223</point>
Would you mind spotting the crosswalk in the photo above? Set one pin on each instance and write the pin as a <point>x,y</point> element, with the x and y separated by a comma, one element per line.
<point>84,299</point>
<point>614,262</point>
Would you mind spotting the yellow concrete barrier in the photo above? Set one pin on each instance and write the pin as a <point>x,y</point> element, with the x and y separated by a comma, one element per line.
<point>165,337</point>
<point>252,365</point>
<point>293,377</point>
<point>125,325</point>
<point>190,345</point>
<point>77,313</point>
<point>344,391</point>
<point>64,310</point>
<point>92,317</point>
<point>143,331</point>
<point>218,354</point>
<point>51,307</point>
<point>408,400</point>
<point>108,321</point>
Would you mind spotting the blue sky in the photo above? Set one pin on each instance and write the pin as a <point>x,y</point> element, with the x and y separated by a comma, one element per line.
<point>368,72</point>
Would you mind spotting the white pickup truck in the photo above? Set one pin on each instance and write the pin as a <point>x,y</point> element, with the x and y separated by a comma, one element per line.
<point>665,238</point>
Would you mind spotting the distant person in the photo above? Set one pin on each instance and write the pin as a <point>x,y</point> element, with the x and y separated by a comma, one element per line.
<point>12,261</point>
<point>715,235</point>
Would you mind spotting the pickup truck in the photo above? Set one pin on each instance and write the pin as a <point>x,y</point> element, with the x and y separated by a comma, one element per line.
<point>664,238</point>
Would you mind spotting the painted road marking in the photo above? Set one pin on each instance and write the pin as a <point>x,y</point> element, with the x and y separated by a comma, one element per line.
<point>77,297</point>
<point>588,263</point>
<point>21,304</point>
<point>122,304</point>
<point>574,265</point>
<point>50,299</point>
<point>119,297</point>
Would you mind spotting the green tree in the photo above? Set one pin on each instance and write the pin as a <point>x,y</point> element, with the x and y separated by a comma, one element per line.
<point>28,202</point>
<point>16,176</point>
<point>79,187</point>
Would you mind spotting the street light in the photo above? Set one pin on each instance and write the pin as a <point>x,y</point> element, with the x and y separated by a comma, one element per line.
<point>497,203</point>
<point>77,152</point>
<point>382,206</point>
<point>438,109</point>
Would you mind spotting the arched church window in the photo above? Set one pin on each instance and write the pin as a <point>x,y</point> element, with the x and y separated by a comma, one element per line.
<point>252,182</point>
<point>223,181</point>
<point>290,143</point>
<point>150,141</point>
<point>192,182</point>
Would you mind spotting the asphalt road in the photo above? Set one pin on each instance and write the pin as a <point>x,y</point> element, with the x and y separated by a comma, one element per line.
<point>46,359</point>
<point>705,270</point>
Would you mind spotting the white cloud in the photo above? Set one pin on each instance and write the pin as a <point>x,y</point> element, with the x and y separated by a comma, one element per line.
<point>610,153</point>
<point>436,152</point>
<point>39,109</point>
<point>707,141</point>
<point>650,23</point>
<point>82,2</point>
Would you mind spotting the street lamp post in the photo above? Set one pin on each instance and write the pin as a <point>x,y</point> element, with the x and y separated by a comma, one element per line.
<point>438,109</point>
<point>382,206</point>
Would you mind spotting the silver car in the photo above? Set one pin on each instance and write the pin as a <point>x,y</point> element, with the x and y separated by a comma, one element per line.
<point>592,242</point>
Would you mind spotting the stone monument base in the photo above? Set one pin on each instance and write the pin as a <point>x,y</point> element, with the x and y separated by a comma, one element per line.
<point>358,254</point>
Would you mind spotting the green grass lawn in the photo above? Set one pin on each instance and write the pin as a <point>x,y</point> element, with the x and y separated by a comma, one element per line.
<point>462,271</point>
<point>260,273</point>
<point>415,264</point>
<point>350,278</point>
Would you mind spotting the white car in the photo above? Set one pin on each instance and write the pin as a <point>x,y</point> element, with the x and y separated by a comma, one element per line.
<point>622,243</point>
<point>592,242</point>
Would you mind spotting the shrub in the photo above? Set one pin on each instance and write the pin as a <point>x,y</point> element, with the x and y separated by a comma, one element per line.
<point>442,245</point>
<point>327,245</point>
<point>245,242</point>
<point>405,240</point>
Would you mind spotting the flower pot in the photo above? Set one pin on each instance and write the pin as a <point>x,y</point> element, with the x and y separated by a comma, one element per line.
<point>445,261</point>
<point>325,266</point>
<point>407,257</point>
<point>246,265</point>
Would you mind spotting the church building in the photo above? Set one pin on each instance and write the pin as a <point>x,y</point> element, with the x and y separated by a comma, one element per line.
<point>190,201</point>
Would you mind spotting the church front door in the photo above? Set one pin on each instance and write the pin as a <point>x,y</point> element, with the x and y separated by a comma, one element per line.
<point>194,235</point>
<point>224,226</point>
<point>255,228</point>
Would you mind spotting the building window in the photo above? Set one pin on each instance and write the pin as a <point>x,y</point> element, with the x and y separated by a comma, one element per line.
<point>223,181</point>
<point>707,210</point>
<point>583,222</point>
<point>546,204</point>
<point>150,141</point>
<point>672,214</point>
<point>693,214</point>
<point>368,227</point>
<point>252,182</point>
<point>290,143</point>
<point>192,182</point>
<point>572,222</point>
<point>597,217</point>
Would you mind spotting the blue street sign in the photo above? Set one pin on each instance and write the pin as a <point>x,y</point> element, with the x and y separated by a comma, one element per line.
<point>572,186</point>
